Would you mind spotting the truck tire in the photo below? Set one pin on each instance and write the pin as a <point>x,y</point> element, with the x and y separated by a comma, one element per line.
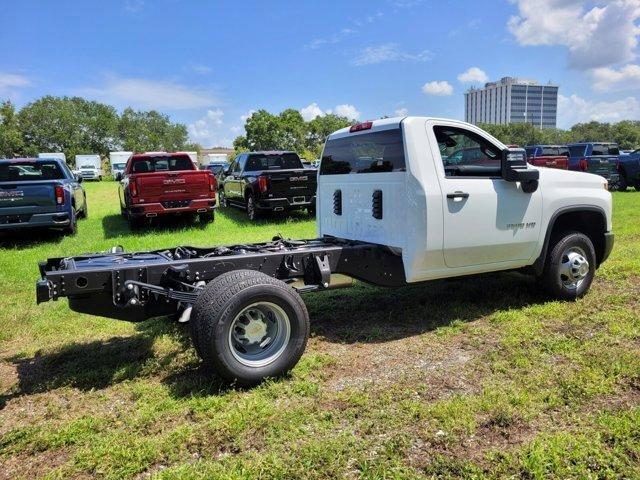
<point>222,200</point>
<point>206,217</point>
<point>570,265</point>
<point>85,209</point>
<point>249,326</point>
<point>72,229</point>
<point>252,211</point>
<point>623,183</point>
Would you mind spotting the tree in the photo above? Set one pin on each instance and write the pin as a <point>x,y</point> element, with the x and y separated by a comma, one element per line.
<point>144,131</point>
<point>288,131</point>
<point>11,141</point>
<point>71,125</point>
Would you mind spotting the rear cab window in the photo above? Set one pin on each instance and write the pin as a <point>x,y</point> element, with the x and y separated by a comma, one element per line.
<point>30,171</point>
<point>165,163</point>
<point>577,150</point>
<point>278,161</point>
<point>605,149</point>
<point>371,152</point>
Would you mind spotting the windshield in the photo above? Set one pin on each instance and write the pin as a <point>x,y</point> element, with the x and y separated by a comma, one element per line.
<point>280,161</point>
<point>30,171</point>
<point>119,166</point>
<point>605,149</point>
<point>381,151</point>
<point>162,164</point>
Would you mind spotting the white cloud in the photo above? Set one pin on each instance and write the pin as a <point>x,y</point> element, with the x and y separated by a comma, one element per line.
<point>143,93</point>
<point>389,52</point>
<point>311,111</point>
<point>209,130</point>
<point>442,88</point>
<point>473,75</point>
<point>625,78</point>
<point>401,112</point>
<point>10,80</point>
<point>347,110</point>
<point>133,6</point>
<point>246,116</point>
<point>575,109</point>
<point>200,68</point>
<point>334,38</point>
<point>597,34</point>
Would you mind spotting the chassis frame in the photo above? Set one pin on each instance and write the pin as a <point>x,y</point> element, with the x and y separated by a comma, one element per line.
<point>137,286</point>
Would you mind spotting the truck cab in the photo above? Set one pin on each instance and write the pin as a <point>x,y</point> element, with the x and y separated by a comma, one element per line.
<point>401,182</point>
<point>600,158</point>
<point>89,167</point>
<point>550,156</point>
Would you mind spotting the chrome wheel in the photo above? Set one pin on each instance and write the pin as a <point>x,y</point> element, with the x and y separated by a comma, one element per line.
<point>259,334</point>
<point>573,268</point>
<point>222,201</point>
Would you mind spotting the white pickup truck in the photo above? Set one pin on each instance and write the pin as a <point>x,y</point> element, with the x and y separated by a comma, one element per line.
<point>400,200</point>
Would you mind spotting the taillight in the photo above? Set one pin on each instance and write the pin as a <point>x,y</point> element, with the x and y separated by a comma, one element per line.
<point>263,183</point>
<point>583,164</point>
<point>213,183</point>
<point>59,195</point>
<point>133,188</point>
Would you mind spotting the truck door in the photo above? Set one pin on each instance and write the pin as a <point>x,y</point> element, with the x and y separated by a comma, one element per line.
<point>486,220</point>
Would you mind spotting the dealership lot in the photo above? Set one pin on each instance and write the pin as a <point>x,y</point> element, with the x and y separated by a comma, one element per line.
<point>455,377</point>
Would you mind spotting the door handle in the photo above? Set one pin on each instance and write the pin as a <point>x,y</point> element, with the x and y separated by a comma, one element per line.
<point>458,195</point>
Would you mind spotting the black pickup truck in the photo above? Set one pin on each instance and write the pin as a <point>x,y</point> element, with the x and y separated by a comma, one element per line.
<point>266,181</point>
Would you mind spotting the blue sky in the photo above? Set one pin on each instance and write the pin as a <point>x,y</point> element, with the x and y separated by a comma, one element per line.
<point>209,64</point>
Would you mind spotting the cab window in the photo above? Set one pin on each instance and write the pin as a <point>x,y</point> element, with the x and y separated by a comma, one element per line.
<point>466,154</point>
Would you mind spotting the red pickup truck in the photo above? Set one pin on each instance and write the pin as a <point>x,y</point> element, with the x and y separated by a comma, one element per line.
<point>551,156</point>
<point>156,184</point>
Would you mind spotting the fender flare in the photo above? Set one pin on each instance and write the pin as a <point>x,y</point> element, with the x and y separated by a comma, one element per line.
<point>538,265</point>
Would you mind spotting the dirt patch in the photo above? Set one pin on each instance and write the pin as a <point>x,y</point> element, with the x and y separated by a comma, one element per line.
<point>29,466</point>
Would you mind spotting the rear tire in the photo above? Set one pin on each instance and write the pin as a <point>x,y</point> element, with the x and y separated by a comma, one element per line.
<point>207,217</point>
<point>623,184</point>
<point>72,229</point>
<point>248,326</point>
<point>312,211</point>
<point>570,266</point>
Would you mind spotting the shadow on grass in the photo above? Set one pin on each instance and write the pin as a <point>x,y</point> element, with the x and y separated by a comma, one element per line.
<point>30,237</point>
<point>239,217</point>
<point>115,225</point>
<point>360,314</point>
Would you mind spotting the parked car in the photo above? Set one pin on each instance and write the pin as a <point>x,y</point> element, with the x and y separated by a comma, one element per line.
<point>551,156</point>
<point>89,167</point>
<point>40,192</point>
<point>118,161</point>
<point>156,184</point>
<point>596,157</point>
<point>269,181</point>
<point>629,170</point>
<point>217,168</point>
<point>388,215</point>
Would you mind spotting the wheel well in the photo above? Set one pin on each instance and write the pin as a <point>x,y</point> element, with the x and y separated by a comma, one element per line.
<point>592,223</point>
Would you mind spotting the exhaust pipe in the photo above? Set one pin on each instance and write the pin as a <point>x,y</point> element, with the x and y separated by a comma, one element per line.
<point>278,209</point>
<point>151,215</point>
<point>202,210</point>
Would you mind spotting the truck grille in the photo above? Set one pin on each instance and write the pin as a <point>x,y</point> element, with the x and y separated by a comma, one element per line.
<point>12,219</point>
<point>176,203</point>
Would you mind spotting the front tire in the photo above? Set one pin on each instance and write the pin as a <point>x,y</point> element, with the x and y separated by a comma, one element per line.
<point>570,266</point>
<point>222,199</point>
<point>252,211</point>
<point>248,326</point>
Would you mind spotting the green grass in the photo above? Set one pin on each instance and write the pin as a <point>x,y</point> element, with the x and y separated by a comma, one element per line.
<point>454,379</point>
